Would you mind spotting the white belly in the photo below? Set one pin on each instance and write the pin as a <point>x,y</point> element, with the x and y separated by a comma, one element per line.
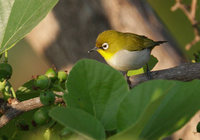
<point>125,60</point>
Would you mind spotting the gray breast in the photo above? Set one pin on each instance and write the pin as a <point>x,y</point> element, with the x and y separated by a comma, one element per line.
<point>125,60</point>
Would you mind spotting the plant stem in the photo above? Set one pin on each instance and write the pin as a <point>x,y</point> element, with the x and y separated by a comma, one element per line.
<point>13,92</point>
<point>60,88</point>
<point>6,57</point>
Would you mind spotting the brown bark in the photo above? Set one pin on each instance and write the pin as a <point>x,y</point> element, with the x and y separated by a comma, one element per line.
<point>20,107</point>
<point>185,72</point>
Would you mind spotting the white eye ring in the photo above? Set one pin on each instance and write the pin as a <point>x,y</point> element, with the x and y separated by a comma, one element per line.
<point>105,46</point>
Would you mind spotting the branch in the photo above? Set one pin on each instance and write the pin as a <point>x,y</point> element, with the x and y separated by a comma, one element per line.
<point>190,13</point>
<point>20,107</point>
<point>185,72</point>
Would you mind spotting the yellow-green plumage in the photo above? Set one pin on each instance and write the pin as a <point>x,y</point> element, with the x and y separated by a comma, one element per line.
<point>125,51</point>
<point>128,40</point>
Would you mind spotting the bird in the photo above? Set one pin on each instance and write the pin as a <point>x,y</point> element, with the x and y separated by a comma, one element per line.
<point>124,51</point>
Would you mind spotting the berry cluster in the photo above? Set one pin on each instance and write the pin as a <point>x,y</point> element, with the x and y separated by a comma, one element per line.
<point>47,84</point>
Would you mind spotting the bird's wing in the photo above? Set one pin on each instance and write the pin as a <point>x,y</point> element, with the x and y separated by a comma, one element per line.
<point>137,42</point>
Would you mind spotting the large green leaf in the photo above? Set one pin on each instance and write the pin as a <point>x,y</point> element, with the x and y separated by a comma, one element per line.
<point>18,17</point>
<point>157,108</point>
<point>179,105</point>
<point>138,100</point>
<point>79,121</point>
<point>98,89</point>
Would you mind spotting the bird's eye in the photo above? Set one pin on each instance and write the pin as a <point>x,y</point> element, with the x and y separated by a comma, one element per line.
<point>105,46</point>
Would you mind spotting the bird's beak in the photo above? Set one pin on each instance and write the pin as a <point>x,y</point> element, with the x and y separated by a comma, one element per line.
<point>93,49</point>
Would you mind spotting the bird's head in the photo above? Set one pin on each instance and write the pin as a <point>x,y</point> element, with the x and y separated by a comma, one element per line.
<point>108,43</point>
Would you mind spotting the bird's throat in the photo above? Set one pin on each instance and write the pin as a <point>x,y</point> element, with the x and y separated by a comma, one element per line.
<point>106,55</point>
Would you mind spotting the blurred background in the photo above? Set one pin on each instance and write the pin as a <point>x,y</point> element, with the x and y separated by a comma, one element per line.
<point>70,30</point>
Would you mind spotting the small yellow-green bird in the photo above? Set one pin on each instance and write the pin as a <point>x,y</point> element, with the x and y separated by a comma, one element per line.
<point>124,51</point>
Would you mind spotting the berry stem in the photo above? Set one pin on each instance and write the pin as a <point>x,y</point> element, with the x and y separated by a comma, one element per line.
<point>61,89</point>
<point>6,57</point>
<point>13,92</point>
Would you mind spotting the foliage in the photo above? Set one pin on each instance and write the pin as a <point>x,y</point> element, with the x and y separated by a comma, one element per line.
<point>88,125</point>
<point>147,107</point>
<point>196,57</point>
<point>91,88</point>
<point>157,108</point>
<point>18,17</point>
<point>98,103</point>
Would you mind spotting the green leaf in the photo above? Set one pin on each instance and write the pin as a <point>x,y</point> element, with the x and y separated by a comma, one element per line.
<point>196,57</point>
<point>138,100</point>
<point>18,17</point>
<point>27,91</point>
<point>156,109</point>
<point>79,121</point>
<point>98,89</point>
<point>5,9</point>
<point>65,131</point>
<point>152,62</point>
<point>180,104</point>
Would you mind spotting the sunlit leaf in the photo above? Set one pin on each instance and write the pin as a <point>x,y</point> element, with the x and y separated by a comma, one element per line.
<point>79,121</point>
<point>18,17</point>
<point>157,108</point>
<point>98,89</point>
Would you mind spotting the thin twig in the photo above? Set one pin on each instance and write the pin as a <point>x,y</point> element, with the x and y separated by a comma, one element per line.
<point>191,14</point>
<point>193,9</point>
<point>18,108</point>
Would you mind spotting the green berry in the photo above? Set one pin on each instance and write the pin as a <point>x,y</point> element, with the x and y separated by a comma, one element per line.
<point>41,116</point>
<point>62,76</point>
<point>42,82</point>
<point>51,74</point>
<point>198,127</point>
<point>5,71</point>
<point>47,97</point>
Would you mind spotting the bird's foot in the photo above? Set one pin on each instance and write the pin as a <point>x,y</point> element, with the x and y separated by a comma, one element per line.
<point>127,78</point>
<point>148,73</point>
<point>128,81</point>
<point>149,76</point>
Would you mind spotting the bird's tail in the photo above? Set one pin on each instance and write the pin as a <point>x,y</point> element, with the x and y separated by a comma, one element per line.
<point>160,42</point>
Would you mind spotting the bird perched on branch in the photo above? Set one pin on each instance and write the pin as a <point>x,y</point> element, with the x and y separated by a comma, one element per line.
<point>124,51</point>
